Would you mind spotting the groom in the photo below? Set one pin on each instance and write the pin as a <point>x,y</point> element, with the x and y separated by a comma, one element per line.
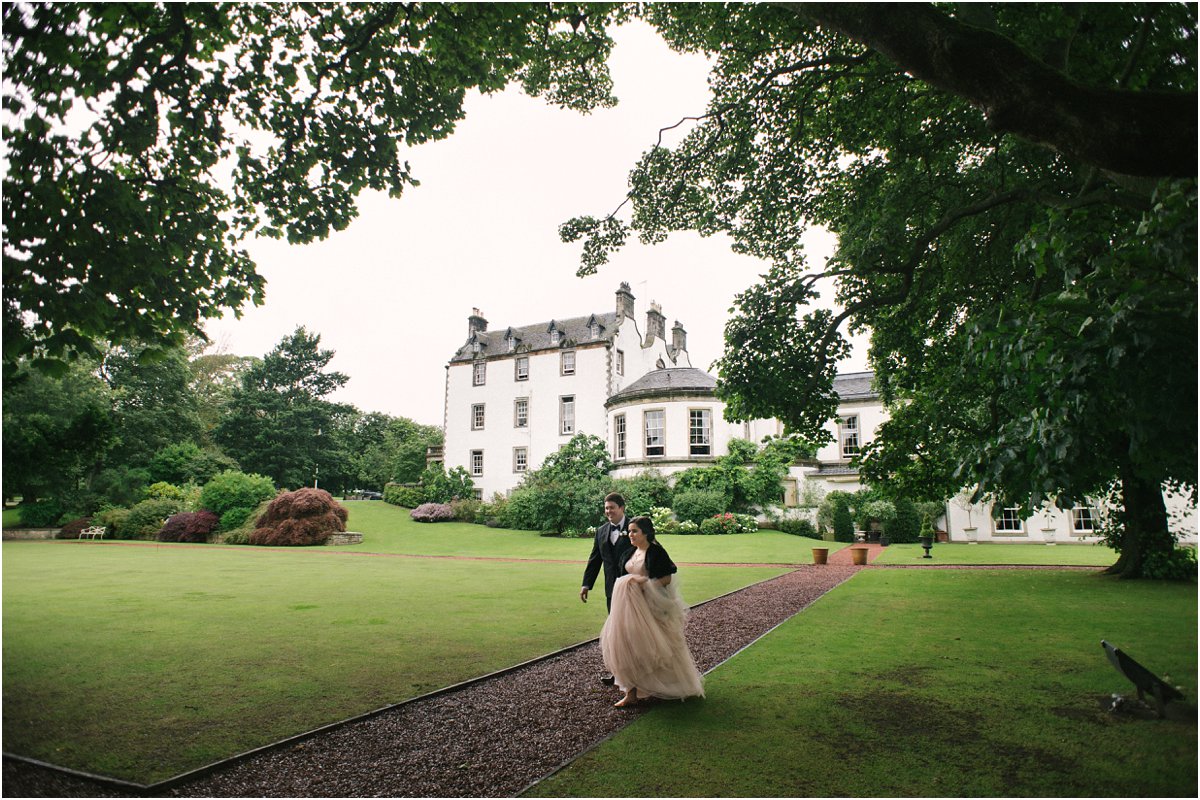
<point>610,548</point>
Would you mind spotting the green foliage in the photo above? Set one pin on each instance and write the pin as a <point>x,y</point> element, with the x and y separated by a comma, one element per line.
<point>697,505</point>
<point>42,514</point>
<point>153,167</point>
<point>907,523</point>
<point>492,513</point>
<point>871,509</point>
<point>566,493</point>
<point>439,486</point>
<point>748,478</point>
<point>1177,565</point>
<point>186,462</point>
<point>278,424</point>
<point>165,491</point>
<point>644,491</point>
<point>233,496</point>
<point>466,509</point>
<point>843,524</point>
<point>147,517</point>
<point>407,496</point>
<point>383,449</point>
<point>798,527</point>
<point>153,403</point>
<point>114,521</point>
<point>239,532</point>
<point>56,430</point>
<point>828,513</point>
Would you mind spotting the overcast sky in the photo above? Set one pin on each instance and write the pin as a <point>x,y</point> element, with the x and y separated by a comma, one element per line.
<point>391,294</point>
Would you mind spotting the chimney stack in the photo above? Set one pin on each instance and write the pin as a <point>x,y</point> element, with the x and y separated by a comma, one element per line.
<point>624,302</point>
<point>656,323</point>
<point>679,337</point>
<point>475,322</point>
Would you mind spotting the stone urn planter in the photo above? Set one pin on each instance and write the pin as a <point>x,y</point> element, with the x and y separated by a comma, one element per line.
<point>820,555</point>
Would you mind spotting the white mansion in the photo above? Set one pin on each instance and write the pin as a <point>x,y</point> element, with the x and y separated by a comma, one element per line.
<point>514,396</point>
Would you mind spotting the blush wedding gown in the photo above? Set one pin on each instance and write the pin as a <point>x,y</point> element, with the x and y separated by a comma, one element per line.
<point>642,640</point>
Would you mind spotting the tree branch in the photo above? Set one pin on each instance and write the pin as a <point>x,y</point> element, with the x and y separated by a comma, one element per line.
<point>1139,133</point>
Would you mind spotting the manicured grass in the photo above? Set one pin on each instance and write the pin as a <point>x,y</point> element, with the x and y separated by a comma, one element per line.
<point>930,683</point>
<point>12,518</point>
<point>997,554</point>
<point>141,661</point>
<point>389,529</point>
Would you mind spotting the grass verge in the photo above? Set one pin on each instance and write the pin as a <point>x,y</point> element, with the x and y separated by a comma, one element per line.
<point>1001,553</point>
<point>141,662</point>
<point>927,683</point>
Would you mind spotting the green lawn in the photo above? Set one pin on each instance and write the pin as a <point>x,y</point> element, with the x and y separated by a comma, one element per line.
<point>913,683</point>
<point>389,529</point>
<point>12,518</point>
<point>995,554</point>
<point>142,661</point>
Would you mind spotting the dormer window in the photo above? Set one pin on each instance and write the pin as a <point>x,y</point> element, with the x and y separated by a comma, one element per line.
<point>476,347</point>
<point>512,344</point>
<point>555,336</point>
<point>595,330</point>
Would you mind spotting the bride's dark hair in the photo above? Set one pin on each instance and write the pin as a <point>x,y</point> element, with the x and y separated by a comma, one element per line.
<point>646,527</point>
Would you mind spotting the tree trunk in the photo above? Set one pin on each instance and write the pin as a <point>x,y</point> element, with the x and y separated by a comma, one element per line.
<point>1145,520</point>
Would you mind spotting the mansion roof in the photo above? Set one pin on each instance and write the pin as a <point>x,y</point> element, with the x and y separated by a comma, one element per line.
<point>667,381</point>
<point>572,332</point>
<point>855,386</point>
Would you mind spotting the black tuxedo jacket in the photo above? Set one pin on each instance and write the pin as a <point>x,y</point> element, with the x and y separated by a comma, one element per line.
<point>611,557</point>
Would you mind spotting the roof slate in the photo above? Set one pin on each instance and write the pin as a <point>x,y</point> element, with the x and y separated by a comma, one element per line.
<point>537,336</point>
<point>670,379</point>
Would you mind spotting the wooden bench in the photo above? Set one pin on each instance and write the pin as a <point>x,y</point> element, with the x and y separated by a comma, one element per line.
<point>93,533</point>
<point>1142,678</point>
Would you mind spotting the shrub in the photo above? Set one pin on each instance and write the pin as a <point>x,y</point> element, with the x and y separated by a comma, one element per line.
<point>798,527</point>
<point>520,512</point>
<point>465,509</point>
<point>906,524</point>
<point>643,492</point>
<point>299,519</point>
<point>492,513</point>
<point>688,527</point>
<point>164,491</point>
<point>698,505</point>
<point>1177,565</point>
<point>843,524</point>
<point>659,516</point>
<point>189,526</point>
<point>42,514</point>
<point>403,495</point>
<point>73,528</point>
<point>728,523</point>
<point>241,533</point>
<point>239,536</point>
<point>670,526</point>
<point>147,518</point>
<point>232,496</point>
<point>113,520</point>
<point>432,512</point>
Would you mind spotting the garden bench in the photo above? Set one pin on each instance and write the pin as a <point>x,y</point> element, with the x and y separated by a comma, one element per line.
<point>1142,678</point>
<point>94,532</point>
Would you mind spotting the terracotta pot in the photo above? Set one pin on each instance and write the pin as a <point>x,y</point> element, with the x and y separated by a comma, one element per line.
<point>859,555</point>
<point>820,555</point>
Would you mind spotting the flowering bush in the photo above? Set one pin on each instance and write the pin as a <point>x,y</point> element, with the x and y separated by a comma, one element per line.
<point>728,523</point>
<point>660,517</point>
<point>433,512</point>
<point>688,527</point>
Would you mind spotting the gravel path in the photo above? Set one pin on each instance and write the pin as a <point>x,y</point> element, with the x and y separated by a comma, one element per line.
<point>490,739</point>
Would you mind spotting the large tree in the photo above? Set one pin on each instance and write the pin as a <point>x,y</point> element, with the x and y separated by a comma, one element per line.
<point>1013,191</point>
<point>124,121</point>
<point>278,422</point>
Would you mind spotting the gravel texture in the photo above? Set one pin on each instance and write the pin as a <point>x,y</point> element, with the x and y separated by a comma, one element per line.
<point>492,738</point>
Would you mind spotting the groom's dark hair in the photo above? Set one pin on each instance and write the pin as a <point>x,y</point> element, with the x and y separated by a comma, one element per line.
<point>613,497</point>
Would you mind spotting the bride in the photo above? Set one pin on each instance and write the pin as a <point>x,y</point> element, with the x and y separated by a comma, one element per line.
<point>642,641</point>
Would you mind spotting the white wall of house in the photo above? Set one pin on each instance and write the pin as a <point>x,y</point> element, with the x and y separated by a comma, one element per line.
<point>497,453</point>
